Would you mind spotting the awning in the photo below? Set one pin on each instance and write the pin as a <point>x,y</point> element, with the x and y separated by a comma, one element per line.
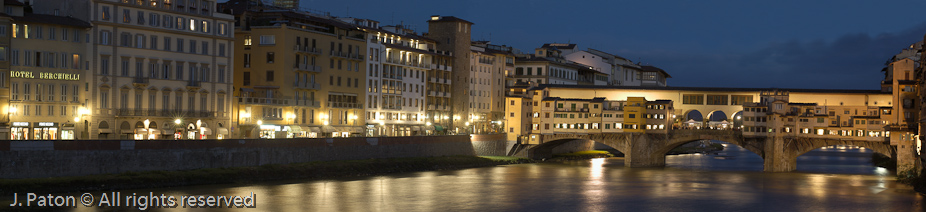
<point>105,131</point>
<point>140,131</point>
<point>438,128</point>
<point>416,128</point>
<point>126,131</point>
<point>315,129</point>
<point>328,129</point>
<point>155,131</point>
<point>206,130</point>
<point>247,90</point>
<point>294,128</point>
<point>428,127</point>
<point>222,131</point>
<point>167,132</point>
<point>356,130</point>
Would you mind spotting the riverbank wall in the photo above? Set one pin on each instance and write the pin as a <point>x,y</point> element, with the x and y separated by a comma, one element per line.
<point>41,159</point>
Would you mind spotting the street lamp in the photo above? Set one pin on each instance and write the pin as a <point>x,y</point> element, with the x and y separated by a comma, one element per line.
<point>147,130</point>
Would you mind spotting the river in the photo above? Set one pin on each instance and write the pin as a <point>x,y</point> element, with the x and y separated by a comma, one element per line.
<point>732,180</point>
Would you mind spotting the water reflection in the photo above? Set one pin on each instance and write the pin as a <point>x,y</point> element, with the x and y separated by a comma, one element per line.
<point>732,181</point>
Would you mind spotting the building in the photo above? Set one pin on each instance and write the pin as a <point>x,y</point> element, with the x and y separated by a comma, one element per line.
<point>488,65</point>
<point>5,37</point>
<point>288,4</point>
<point>407,82</point>
<point>620,71</point>
<point>158,69</point>
<point>48,62</point>
<point>453,35</point>
<point>298,75</point>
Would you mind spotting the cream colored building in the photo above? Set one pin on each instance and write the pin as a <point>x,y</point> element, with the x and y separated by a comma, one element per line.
<point>48,59</point>
<point>297,74</point>
<point>159,69</point>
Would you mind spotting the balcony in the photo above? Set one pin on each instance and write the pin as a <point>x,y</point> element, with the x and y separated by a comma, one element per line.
<point>140,81</point>
<point>193,84</point>
<point>165,113</point>
<point>263,101</point>
<point>338,54</point>
<point>343,105</point>
<point>308,68</point>
<point>310,86</point>
<point>355,56</point>
<point>391,107</point>
<point>308,103</point>
<point>307,50</point>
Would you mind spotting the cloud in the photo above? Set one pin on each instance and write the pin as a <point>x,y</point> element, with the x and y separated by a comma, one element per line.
<point>852,61</point>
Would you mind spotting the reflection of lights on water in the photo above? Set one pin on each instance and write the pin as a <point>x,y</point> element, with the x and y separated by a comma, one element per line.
<point>596,170</point>
<point>881,171</point>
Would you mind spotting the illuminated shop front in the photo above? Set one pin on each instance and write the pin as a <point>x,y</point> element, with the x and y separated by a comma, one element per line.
<point>45,131</point>
<point>20,131</point>
<point>67,131</point>
<point>268,131</point>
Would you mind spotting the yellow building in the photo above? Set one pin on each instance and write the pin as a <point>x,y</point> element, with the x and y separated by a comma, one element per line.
<point>5,37</point>
<point>47,77</point>
<point>298,75</point>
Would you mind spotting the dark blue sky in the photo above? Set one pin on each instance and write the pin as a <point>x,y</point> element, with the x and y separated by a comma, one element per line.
<point>784,44</point>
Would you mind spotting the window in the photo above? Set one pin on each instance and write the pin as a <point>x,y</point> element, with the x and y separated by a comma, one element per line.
<point>247,78</point>
<point>179,45</point>
<point>166,43</point>
<point>247,60</point>
<point>104,99</point>
<point>697,99</point>
<point>267,40</point>
<point>717,99</point>
<point>105,37</point>
<point>222,29</point>
<point>154,20</point>
<point>126,16</point>
<point>221,50</point>
<point>104,66</point>
<point>193,46</point>
<point>140,18</point>
<point>247,40</point>
<point>139,41</point>
<point>269,57</point>
<point>205,26</point>
<point>205,48</point>
<point>106,14</point>
<point>221,75</point>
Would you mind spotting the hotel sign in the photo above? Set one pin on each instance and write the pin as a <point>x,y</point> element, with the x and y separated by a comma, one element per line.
<point>44,75</point>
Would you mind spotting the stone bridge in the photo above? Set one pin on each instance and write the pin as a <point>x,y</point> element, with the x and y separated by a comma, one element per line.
<point>649,150</point>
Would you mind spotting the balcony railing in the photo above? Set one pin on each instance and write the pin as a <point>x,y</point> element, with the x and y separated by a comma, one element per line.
<point>165,113</point>
<point>308,103</point>
<point>343,105</point>
<point>338,54</point>
<point>309,68</point>
<point>310,86</point>
<point>264,101</point>
<point>306,49</point>
<point>355,56</point>
<point>193,83</point>
<point>140,80</point>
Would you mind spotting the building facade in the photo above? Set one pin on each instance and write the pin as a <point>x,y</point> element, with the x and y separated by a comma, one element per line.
<point>159,69</point>
<point>48,61</point>
<point>299,74</point>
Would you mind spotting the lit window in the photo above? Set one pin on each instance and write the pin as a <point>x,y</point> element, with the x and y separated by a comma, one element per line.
<point>192,24</point>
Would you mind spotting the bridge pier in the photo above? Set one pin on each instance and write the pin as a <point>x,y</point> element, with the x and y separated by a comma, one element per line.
<point>777,156</point>
<point>641,152</point>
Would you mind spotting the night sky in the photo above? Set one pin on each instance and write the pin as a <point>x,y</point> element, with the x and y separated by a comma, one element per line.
<point>781,44</point>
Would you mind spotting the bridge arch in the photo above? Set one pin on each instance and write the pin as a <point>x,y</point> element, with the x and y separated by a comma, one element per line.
<point>717,115</point>
<point>546,149</point>
<point>751,145</point>
<point>694,115</point>
<point>802,146</point>
<point>737,119</point>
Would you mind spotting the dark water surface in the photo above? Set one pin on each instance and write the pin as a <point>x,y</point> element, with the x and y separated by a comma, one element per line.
<point>732,180</point>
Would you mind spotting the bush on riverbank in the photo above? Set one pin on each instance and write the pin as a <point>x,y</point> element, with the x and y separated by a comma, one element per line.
<point>311,170</point>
